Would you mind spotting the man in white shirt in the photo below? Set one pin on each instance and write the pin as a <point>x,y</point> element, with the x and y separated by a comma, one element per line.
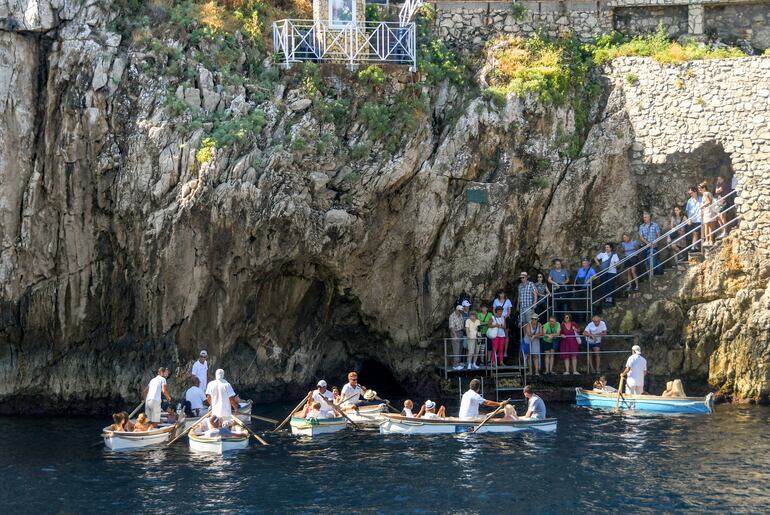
<point>221,396</point>
<point>636,369</point>
<point>200,369</point>
<point>352,391</point>
<point>152,398</point>
<point>196,397</point>
<point>593,333</point>
<point>469,405</point>
<point>324,397</point>
<point>608,270</point>
<point>429,411</point>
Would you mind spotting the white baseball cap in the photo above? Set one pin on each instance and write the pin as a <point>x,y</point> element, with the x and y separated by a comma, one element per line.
<point>322,383</point>
<point>636,349</point>
<point>204,354</point>
<point>466,304</point>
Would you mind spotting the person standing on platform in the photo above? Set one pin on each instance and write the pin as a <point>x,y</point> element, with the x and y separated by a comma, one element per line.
<point>505,303</point>
<point>456,327</point>
<point>526,300</point>
<point>469,405</point>
<point>635,371</point>
<point>472,335</point>
<point>200,369</point>
<point>593,333</point>
<point>221,397</point>
<point>558,278</point>
<point>152,398</point>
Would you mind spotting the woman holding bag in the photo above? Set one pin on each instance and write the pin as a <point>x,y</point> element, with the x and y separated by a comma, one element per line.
<point>497,328</point>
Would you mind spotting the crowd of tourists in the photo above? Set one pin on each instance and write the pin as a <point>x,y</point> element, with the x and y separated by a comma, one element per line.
<point>551,327</point>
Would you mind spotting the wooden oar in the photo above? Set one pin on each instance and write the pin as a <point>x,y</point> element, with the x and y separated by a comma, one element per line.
<point>252,433</point>
<point>136,410</point>
<point>620,394</point>
<point>207,415</point>
<point>490,416</point>
<point>264,419</point>
<point>387,403</point>
<point>291,413</point>
<point>330,403</point>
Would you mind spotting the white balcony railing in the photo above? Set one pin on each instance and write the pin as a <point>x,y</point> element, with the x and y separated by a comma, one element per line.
<point>353,43</point>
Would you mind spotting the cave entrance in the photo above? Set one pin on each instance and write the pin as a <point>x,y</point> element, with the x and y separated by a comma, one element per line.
<point>374,374</point>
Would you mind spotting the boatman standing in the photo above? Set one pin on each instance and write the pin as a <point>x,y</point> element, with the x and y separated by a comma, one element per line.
<point>352,391</point>
<point>535,405</point>
<point>469,406</point>
<point>221,396</point>
<point>152,398</point>
<point>636,369</point>
<point>318,395</point>
<point>200,369</point>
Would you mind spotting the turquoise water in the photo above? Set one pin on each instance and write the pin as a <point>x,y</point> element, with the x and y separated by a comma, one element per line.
<point>596,462</point>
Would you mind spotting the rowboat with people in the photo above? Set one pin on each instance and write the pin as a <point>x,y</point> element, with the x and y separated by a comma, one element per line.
<point>218,443</point>
<point>399,424</point>
<point>317,426</point>
<point>651,403</point>
<point>123,440</point>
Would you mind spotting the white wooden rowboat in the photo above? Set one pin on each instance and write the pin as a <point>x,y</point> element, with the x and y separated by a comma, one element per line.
<point>398,424</point>
<point>244,415</point>
<point>316,426</point>
<point>218,443</point>
<point>121,440</point>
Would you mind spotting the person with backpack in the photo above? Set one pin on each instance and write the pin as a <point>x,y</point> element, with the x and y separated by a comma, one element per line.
<point>608,271</point>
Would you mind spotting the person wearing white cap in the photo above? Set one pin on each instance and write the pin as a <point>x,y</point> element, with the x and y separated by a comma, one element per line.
<point>318,395</point>
<point>221,396</point>
<point>200,369</point>
<point>636,369</point>
<point>428,411</point>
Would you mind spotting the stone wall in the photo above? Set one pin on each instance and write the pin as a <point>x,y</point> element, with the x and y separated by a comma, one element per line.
<point>645,20</point>
<point>469,24</point>
<point>747,22</point>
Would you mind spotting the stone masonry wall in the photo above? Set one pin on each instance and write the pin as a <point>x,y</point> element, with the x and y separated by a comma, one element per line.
<point>747,22</point>
<point>645,20</point>
<point>678,109</point>
<point>469,24</point>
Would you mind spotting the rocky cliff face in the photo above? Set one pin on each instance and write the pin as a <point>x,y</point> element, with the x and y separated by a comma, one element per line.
<point>297,226</point>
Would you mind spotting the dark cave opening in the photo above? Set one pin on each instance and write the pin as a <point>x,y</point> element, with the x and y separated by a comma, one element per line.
<point>376,375</point>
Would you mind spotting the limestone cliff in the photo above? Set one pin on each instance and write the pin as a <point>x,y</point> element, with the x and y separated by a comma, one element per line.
<point>151,205</point>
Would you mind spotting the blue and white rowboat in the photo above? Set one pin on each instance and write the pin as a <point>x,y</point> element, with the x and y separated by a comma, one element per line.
<point>652,403</point>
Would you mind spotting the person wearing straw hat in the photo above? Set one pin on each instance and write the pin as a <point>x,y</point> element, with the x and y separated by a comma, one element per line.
<point>636,369</point>
<point>200,369</point>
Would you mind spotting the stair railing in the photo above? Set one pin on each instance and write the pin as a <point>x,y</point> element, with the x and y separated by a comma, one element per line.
<point>407,11</point>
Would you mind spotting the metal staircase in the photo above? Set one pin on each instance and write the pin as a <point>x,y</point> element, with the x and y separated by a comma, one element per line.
<point>408,11</point>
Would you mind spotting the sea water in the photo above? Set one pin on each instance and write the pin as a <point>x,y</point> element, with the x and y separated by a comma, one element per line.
<point>596,462</point>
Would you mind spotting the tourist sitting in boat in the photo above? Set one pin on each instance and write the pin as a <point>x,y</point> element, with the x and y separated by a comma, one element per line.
<point>428,411</point>
<point>509,412</point>
<point>601,386</point>
<point>674,389</point>
<point>171,416</point>
<point>408,407</point>
<point>196,397</point>
<point>118,422</point>
<point>471,400</point>
<point>535,405</point>
<point>142,423</point>
<point>127,424</point>
<point>316,411</point>
<point>336,395</point>
<point>352,392</point>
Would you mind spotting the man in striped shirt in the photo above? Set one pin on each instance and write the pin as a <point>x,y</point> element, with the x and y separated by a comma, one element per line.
<point>649,231</point>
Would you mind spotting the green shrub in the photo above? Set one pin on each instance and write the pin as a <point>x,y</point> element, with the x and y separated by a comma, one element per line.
<point>631,78</point>
<point>519,11</point>
<point>360,151</point>
<point>377,119</point>
<point>372,75</point>
<point>298,143</point>
<point>206,151</point>
<point>175,105</point>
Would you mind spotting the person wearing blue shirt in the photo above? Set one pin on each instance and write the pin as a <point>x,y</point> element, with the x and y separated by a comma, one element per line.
<point>649,231</point>
<point>535,405</point>
<point>583,276</point>
<point>693,211</point>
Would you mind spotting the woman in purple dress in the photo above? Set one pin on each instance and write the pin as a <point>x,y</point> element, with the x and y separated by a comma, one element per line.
<point>570,344</point>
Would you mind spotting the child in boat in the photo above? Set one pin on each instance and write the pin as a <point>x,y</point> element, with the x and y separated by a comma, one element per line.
<point>315,411</point>
<point>408,407</point>
<point>171,417</point>
<point>509,412</point>
<point>142,423</point>
<point>605,387</point>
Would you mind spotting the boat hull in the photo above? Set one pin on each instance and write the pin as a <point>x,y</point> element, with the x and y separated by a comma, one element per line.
<point>316,427</point>
<point>119,441</point>
<point>650,403</point>
<point>397,424</point>
<point>218,444</point>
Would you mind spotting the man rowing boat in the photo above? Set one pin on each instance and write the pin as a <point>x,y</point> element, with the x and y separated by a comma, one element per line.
<point>324,398</point>
<point>469,406</point>
<point>352,391</point>
<point>636,369</point>
<point>221,397</point>
<point>152,399</point>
